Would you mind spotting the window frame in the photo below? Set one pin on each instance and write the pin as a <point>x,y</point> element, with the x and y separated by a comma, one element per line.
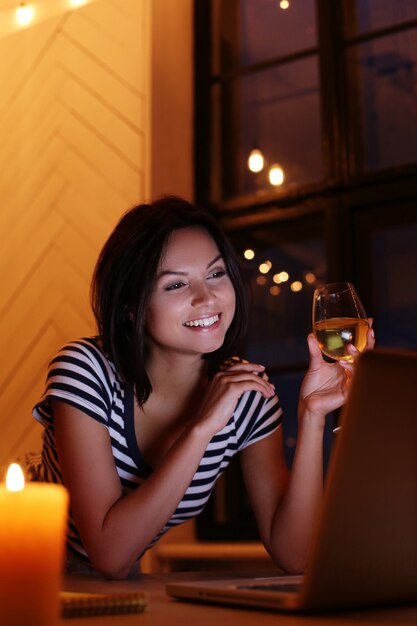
<point>348,196</point>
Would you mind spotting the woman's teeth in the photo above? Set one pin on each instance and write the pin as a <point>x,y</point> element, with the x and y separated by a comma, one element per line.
<point>207,321</point>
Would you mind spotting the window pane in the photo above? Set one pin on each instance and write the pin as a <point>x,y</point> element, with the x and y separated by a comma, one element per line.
<point>289,261</point>
<point>394,267</point>
<point>280,305</point>
<point>267,30</point>
<point>370,15</point>
<point>386,74</point>
<point>276,111</point>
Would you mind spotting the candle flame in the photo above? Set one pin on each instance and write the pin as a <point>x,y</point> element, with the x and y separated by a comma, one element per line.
<point>15,480</point>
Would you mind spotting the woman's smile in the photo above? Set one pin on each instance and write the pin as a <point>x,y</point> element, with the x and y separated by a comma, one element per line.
<point>204,323</point>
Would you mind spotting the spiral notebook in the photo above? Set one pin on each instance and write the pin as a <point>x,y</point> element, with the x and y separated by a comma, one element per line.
<point>365,548</point>
<point>80,604</point>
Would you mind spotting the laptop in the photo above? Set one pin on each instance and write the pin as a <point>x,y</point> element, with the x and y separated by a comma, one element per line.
<point>364,552</point>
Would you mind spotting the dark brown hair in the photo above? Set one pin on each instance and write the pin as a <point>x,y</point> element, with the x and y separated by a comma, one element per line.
<point>125,275</point>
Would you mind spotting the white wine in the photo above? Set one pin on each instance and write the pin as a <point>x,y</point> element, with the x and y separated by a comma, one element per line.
<point>334,335</point>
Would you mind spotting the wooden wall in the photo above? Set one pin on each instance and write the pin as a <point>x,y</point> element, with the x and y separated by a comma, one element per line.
<point>74,155</point>
<point>172,94</point>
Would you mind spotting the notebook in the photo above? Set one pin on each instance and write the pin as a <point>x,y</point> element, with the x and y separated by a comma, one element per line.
<point>80,604</point>
<point>364,551</point>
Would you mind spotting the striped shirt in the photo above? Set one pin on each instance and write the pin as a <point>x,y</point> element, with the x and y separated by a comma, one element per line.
<point>83,376</point>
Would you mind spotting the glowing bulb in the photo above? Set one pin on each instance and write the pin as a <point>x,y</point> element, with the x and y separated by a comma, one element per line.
<point>310,278</point>
<point>283,276</point>
<point>15,480</point>
<point>276,175</point>
<point>296,286</point>
<point>274,290</point>
<point>264,268</point>
<point>276,278</point>
<point>249,254</point>
<point>284,4</point>
<point>24,14</point>
<point>256,161</point>
<point>261,280</point>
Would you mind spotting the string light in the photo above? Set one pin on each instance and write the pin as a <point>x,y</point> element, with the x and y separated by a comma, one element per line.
<point>261,280</point>
<point>276,175</point>
<point>249,254</point>
<point>18,15</point>
<point>256,161</point>
<point>264,268</point>
<point>24,14</point>
<point>282,277</point>
<point>296,286</point>
<point>310,278</point>
<point>284,4</point>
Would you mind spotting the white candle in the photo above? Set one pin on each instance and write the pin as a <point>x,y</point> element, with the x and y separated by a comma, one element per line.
<point>32,541</point>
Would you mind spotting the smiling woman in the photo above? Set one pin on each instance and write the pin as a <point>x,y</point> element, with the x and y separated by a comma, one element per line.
<point>193,303</point>
<point>141,420</point>
<point>139,266</point>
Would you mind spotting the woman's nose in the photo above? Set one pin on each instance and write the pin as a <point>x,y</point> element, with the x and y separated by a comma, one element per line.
<point>202,294</point>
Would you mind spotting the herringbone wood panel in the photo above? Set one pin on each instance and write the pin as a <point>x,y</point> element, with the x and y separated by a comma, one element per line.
<point>73,157</point>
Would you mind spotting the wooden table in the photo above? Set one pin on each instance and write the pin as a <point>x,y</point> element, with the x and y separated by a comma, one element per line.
<point>211,555</point>
<point>165,611</point>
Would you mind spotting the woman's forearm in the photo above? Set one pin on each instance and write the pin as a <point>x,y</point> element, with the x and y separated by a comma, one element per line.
<point>133,521</point>
<point>296,515</point>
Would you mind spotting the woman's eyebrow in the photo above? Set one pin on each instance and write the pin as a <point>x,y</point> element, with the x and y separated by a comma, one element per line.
<point>219,256</point>
<point>170,273</point>
<point>180,273</point>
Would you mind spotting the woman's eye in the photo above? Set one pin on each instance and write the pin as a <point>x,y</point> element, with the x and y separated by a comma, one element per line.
<point>174,286</point>
<point>218,274</point>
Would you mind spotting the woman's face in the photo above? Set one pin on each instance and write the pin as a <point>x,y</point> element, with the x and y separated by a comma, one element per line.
<point>193,301</point>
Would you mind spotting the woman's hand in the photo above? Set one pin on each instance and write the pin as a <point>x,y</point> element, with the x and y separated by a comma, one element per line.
<point>225,389</point>
<point>326,385</point>
<point>349,366</point>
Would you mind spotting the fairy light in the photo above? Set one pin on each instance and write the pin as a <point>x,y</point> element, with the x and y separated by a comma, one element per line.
<point>281,277</point>
<point>264,268</point>
<point>249,254</point>
<point>310,278</point>
<point>276,175</point>
<point>24,14</point>
<point>261,280</point>
<point>296,286</point>
<point>284,4</point>
<point>256,161</point>
<point>274,290</point>
<point>15,16</point>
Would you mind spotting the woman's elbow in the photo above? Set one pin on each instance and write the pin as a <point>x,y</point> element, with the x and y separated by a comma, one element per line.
<point>290,563</point>
<point>293,568</point>
<point>112,569</point>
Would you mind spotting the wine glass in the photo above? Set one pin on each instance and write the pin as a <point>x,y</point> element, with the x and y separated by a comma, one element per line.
<point>339,319</point>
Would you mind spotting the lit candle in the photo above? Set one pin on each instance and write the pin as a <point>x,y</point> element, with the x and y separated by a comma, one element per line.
<point>32,539</point>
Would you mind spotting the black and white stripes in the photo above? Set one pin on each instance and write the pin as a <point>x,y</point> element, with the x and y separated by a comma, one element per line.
<point>83,376</point>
